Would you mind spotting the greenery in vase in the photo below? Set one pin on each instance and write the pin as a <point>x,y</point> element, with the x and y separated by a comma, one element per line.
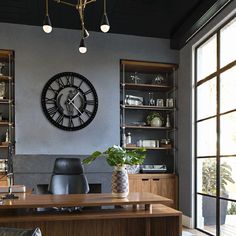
<point>153,115</point>
<point>118,156</point>
<point>209,177</point>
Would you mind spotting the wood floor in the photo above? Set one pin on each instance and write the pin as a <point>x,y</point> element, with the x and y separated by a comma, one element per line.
<point>194,232</point>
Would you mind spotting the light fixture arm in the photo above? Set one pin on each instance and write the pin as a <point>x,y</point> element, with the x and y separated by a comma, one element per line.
<point>46,3</point>
<point>105,7</point>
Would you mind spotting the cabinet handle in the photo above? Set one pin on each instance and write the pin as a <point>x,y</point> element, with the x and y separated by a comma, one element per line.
<point>156,179</point>
<point>144,179</point>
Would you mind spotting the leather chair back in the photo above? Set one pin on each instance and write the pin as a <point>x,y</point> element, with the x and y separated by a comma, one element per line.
<point>68,177</point>
<point>19,232</point>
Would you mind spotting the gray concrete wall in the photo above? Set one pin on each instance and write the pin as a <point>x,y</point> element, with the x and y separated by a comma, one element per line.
<point>39,56</point>
<point>185,156</point>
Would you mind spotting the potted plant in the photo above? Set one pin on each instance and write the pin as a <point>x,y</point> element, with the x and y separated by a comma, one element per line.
<point>155,119</point>
<point>118,158</point>
<point>209,187</point>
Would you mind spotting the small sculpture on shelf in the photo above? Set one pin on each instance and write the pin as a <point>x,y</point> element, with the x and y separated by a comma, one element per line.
<point>2,65</point>
<point>2,90</point>
<point>159,79</point>
<point>168,121</point>
<point>7,136</point>
<point>151,101</point>
<point>135,78</point>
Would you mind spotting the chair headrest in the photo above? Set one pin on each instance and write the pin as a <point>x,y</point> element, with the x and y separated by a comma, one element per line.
<point>68,166</point>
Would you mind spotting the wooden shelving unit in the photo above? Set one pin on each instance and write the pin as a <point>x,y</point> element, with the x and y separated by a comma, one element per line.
<point>7,109</point>
<point>147,72</point>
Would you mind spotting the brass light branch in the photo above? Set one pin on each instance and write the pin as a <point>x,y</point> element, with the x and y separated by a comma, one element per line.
<point>80,7</point>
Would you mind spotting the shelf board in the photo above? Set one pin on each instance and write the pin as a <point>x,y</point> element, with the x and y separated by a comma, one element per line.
<point>5,123</point>
<point>5,53</point>
<point>147,67</point>
<point>149,87</point>
<point>4,146</point>
<point>5,78</point>
<point>145,107</point>
<point>150,148</point>
<point>145,127</point>
<point>5,101</point>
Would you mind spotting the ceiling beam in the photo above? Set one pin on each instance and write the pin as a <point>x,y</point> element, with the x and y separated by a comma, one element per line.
<point>198,19</point>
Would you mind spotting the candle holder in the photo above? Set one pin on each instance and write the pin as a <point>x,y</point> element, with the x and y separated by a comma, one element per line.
<point>10,195</point>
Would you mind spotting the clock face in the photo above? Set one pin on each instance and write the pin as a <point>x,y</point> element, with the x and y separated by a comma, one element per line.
<point>69,101</point>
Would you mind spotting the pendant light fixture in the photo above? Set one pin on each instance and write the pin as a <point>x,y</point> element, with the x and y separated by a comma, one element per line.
<point>105,26</point>
<point>80,7</point>
<point>82,46</point>
<point>47,26</point>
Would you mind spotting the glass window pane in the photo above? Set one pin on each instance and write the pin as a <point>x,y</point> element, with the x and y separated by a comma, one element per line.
<point>206,214</point>
<point>228,177</point>
<point>206,137</point>
<point>227,218</point>
<point>227,90</point>
<point>228,45</point>
<point>228,134</point>
<point>206,58</point>
<point>206,99</point>
<point>206,170</point>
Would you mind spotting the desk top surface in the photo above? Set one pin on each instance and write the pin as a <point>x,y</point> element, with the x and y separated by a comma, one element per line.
<point>27,200</point>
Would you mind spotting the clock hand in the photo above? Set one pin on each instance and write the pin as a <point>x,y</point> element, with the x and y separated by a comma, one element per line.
<point>76,108</point>
<point>71,100</point>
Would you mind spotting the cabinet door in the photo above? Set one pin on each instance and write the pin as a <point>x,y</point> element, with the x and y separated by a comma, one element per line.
<point>139,184</point>
<point>3,180</point>
<point>165,187</point>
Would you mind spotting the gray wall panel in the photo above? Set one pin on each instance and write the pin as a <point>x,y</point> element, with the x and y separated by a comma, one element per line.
<point>39,56</point>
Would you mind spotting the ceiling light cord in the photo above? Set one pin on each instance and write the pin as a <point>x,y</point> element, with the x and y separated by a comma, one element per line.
<point>104,26</point>
<point>46,7</point>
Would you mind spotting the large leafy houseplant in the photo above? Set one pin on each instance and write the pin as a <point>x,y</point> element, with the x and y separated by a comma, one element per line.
<point>209,187</point>
<point>209,177</point>
<point>119,157</point>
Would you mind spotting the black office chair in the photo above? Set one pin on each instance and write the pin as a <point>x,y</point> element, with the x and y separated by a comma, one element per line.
<point>19,232</point>
<point>67,178</point>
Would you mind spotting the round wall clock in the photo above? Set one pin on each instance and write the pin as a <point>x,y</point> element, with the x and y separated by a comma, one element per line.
<point>69,101</point>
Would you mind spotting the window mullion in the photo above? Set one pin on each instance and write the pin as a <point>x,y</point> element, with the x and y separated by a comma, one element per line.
<point>218,137</point>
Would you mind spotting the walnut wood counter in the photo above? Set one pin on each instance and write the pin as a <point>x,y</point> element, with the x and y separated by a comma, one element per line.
<point>127,221</point>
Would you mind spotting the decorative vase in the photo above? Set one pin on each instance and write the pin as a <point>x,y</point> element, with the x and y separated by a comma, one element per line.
<point>120,182</point>
<point>156,122</point>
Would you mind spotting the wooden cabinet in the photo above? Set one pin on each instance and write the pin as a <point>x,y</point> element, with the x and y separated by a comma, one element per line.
<point>3,179</point>
<point>148,89</point>
<point>7,123</point>
<point>165,185</point>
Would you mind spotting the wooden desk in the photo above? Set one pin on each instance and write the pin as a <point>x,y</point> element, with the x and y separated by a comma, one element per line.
<point>128,221</point>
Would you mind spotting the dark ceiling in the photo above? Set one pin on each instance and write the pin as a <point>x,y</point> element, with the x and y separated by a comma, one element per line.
<point>173,19</point>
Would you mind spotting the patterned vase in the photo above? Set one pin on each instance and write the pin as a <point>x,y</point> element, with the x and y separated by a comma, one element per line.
<point>120,182</point>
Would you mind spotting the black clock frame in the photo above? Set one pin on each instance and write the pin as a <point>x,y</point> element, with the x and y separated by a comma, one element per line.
<point>70,84</point>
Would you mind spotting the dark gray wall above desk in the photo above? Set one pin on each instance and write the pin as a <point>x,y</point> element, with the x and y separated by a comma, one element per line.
<point>39,56</point>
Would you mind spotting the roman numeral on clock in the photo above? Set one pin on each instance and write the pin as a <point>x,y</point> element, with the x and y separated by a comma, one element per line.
<point>69,80</point>
<point>60,119</point>
<point>52,111</point>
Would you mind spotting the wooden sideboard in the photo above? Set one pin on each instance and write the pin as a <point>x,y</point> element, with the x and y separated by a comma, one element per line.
<point>3,179</point>
<point>132,216</point>
<point>165,185</point>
